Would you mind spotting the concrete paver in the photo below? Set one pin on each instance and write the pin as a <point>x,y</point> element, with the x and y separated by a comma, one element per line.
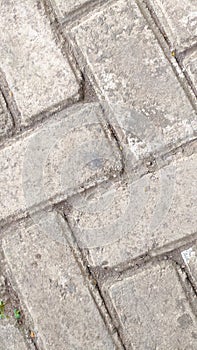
<point>123,221</point>
<point>36,72</point>
<point>63,156</point>
<point>54,291</point>
<point>98,181</point>
<point>134,76</point>
<point>11,339</point>
<point>178,20</point>
<point>153,310</point>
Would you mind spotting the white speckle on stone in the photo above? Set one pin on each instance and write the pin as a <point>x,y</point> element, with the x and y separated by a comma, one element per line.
<point>187,255</point>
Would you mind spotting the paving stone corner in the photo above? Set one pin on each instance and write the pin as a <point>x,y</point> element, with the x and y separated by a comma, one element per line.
<point>39,77</point>
<point>63,8</point>
<point>153,309</point>
<point>122,221</point>
<point>62,157</point>
<point>178,21</point>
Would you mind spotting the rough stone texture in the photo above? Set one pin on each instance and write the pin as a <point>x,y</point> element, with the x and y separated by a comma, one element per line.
<point>190,66</point>
<point>178,19</point>
<point>54,291</point>
<point>153,310</point>
<point>120,221</point>
<point>64,7</point>
<point>190,259</point>
<point>10,338</point>
<point>62,157</point>
<point>93,198</point>
<point>5,118</point>
<point>36,72</point>
<point>134,76</point>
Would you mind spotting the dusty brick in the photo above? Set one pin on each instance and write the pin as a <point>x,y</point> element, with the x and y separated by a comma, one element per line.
<point>10,338</point>
<point>5,118</point>
<point>178,19</point>
<point>52,287</point>
<point>66,154</point>
<point>36,72</point>
<point>132,73</point>
<point>63,7</point>
<point>153,310</point>
<point>121,220</point>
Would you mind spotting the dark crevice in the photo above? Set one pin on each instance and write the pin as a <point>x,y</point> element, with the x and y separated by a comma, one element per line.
<point>91,280</point>
<point>149,14</point>
<point>119,145</point>
<point>12,302</point>
<point>9,110</point>
<point>188,285</point>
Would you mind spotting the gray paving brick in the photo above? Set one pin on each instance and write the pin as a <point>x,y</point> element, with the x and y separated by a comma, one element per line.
<point>5,118</point>
<point>153,310</point>
<point>66,154</point>
<point>10,338</point>
<point>132,73</point>
<point>190,66</point>
<point>178,19</point>
<point>64,7</point>
<point>52,287</point>
<point>122,220</point>
<point>36,71</point>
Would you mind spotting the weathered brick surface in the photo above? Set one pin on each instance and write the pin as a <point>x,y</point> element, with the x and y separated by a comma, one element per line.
<point>118,181</point>
<point>134,76</point>
<point>53,289</point>
<point>5,118</point>
<point>10,338</point>
<point>36,71</point>
<point>64,7</point>
<point>190,66</point>
<point>178,19</point>
<point>62,157</point>
<point>121,221</point>
<point>153,310</point>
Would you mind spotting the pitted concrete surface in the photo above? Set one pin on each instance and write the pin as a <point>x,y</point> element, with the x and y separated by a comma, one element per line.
<point>98,230</point>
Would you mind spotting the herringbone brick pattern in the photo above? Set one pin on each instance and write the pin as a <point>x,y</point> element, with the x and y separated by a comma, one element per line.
<point>98,229</point>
